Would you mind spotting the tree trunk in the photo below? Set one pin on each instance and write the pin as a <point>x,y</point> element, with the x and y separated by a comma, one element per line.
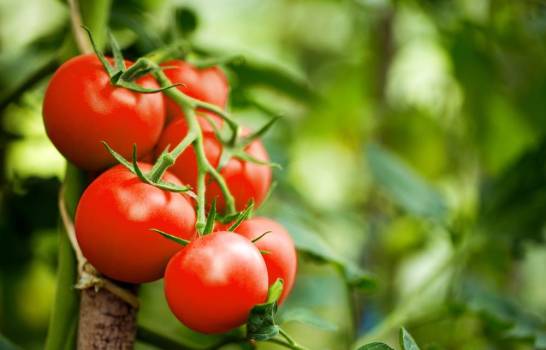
<point>106,321</point>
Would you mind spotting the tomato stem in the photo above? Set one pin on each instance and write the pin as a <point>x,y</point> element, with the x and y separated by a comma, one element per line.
<point>233,125</point>
<point>216,61</point>
<point>195,137</point>
<point>286,344</point>
<point>293,344</point>
<point>179,48</point>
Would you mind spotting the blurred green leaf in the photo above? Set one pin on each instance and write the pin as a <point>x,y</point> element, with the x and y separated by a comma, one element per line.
<point>375,346</point>
<point>502,315</point>
<point>252,73</point>
<point>157,320</point>
<point>513,204</point>
<point>313,245</point>
<point>6,344</point>
<point>186,20</point>
<point>404,185</point>
<point>23,71</point>
<point>308,317</point>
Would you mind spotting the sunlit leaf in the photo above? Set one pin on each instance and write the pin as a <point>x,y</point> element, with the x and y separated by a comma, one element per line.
<point>312,244</point>
<point>308,317</point>
<point>404,185</point>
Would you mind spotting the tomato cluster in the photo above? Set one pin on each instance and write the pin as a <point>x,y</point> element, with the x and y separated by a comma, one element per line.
<point>212,283</point>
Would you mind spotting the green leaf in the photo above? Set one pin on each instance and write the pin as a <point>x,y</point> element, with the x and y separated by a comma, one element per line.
<point>136,168</point>
<point>501,314</point>
<point>170,187</point>
<point>406,340</point>
<point>106,65</point>
<point>260,132</point>
<point>375,346</point>
<point>313,245</point>
<point>241,154</point>
<point>253,73</point>
<point>155,321</point>
<point>242,216</point>
<point>261,323</point>
<point>308,317</point>
<point>116,51</point>
<point>181,241</point>
<point>119,157</point>
<point>404,185</point>
<point>211,218</point>
<point>22,72</point>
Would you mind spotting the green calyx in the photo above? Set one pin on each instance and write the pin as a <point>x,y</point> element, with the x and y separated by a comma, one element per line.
<point>261,324</point>
<point>181,241</point>
<point>235,146</point>
<point>238,218</point>
<point>150,178</point>
<point>119,74</point>
<point>211,219</point>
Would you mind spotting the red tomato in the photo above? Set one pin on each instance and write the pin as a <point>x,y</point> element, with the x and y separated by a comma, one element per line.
<point>207,84</point>
<point>82,108</point>
<point>246,180</point>
<point>212,284</point>
<point>281,261</point>
<point>113,222</point>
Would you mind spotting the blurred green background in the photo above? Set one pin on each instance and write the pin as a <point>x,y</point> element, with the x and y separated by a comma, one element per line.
<point>412,144</point>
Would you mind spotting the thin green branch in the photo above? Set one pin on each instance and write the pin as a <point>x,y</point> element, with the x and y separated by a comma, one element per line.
<point>286,344</point>
<point>82,42</point>
<point>195,137</point>
<point>178,49</point>
<point>233,125</point>
<point>228,197</point>
<point>289,339</point>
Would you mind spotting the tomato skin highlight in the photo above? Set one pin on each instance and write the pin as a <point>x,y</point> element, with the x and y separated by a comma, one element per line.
<point>113,222</point>
<point>212,284</point>
<point>206,84</point>
<point>246,180</point>
<point>82,108</point>
<point>282,260</point>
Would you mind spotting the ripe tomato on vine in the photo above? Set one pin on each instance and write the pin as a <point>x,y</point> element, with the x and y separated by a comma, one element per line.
<point>212,284</point>
<point>113,221</point>
<point>281,259</point>
<point>218,280</point>
<point>82,108</point>
<point>206,84</point>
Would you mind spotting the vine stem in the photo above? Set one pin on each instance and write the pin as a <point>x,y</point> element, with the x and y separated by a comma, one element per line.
<point>194,137</point>
<point>84,46</point>
<point>287,344</point>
